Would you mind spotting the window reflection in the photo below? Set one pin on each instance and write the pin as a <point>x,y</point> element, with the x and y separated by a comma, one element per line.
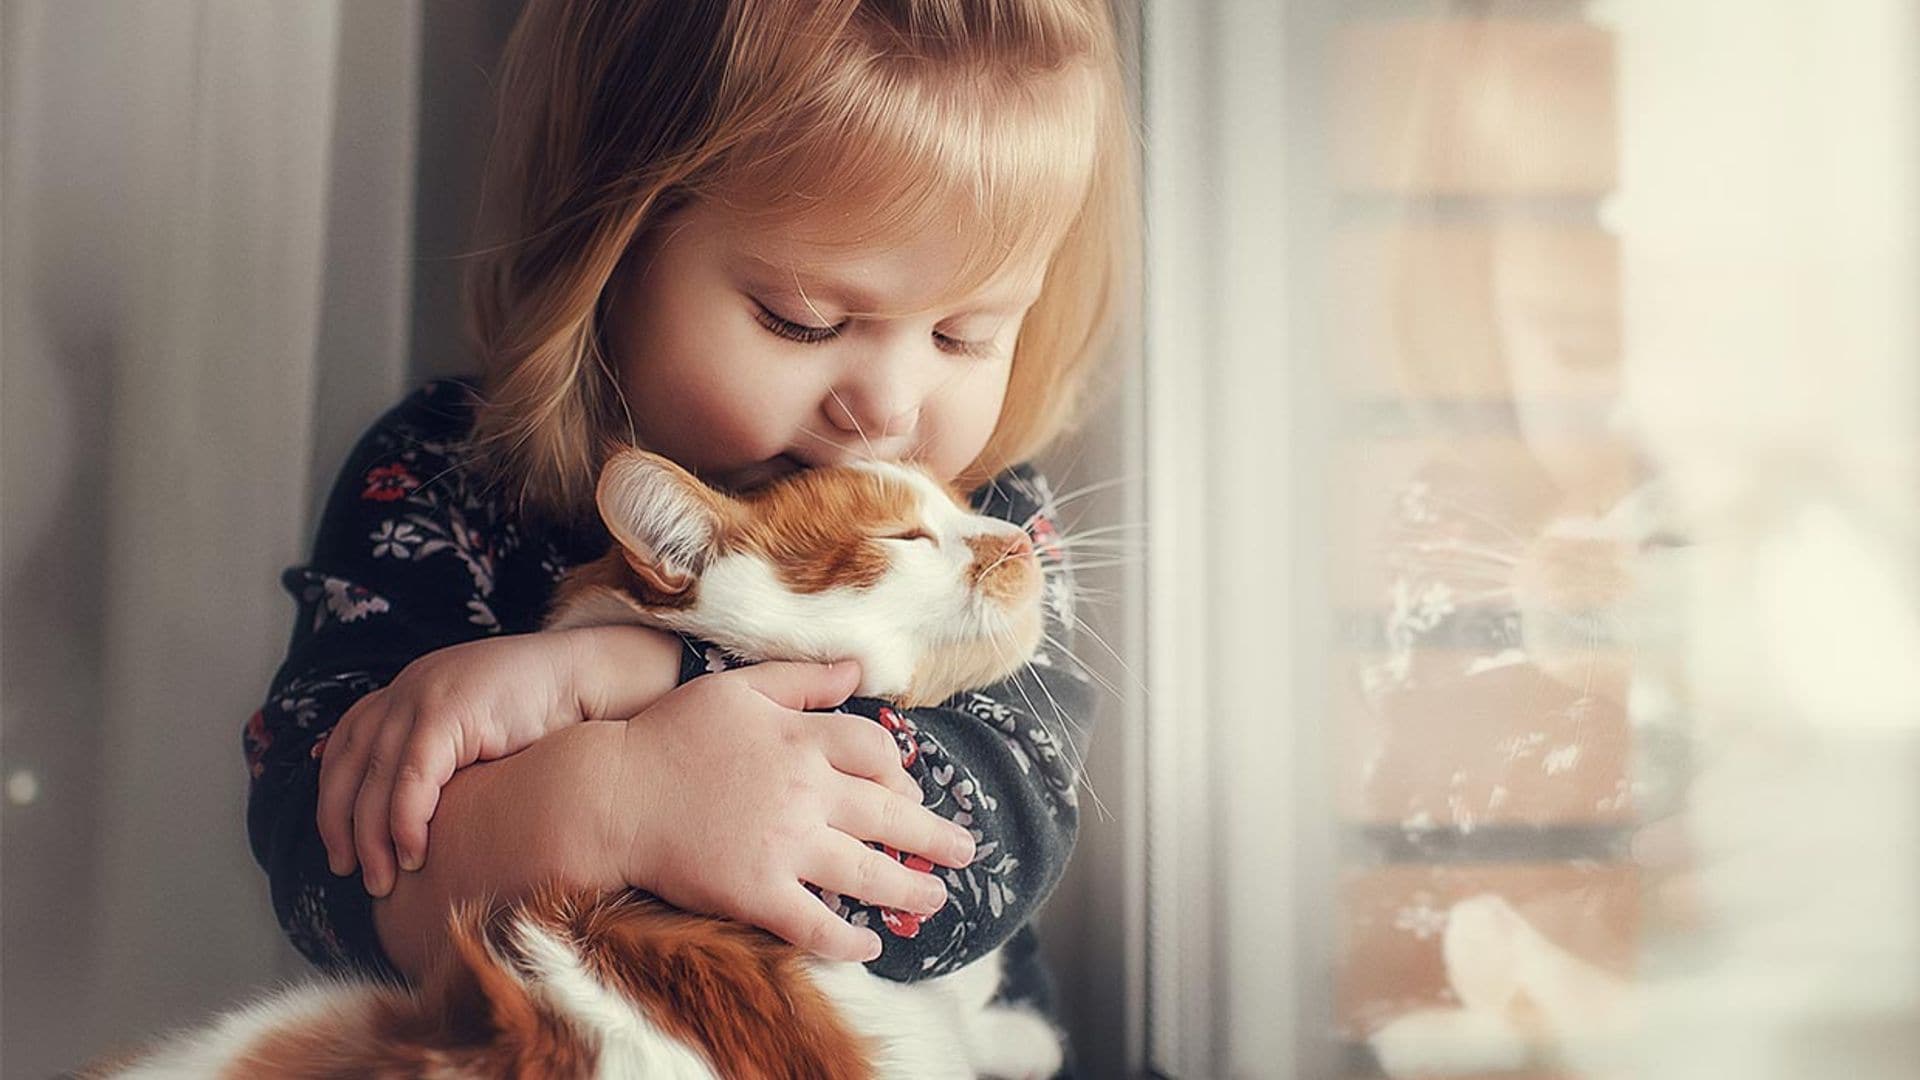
<point>1624,348</point>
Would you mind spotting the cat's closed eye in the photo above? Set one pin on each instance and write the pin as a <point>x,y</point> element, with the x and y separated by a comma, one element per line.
<point>913,534</point>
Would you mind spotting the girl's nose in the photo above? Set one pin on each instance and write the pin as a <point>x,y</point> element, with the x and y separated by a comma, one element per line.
<point>877,402</point>
<point>874,423</point>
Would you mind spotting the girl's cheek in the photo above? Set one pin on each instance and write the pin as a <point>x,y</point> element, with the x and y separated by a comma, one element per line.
<point>751,419</point>
<point>987,396</point>
<point>967,423</point>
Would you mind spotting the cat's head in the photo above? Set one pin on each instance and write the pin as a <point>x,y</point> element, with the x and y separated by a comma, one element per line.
<point>875,562</point>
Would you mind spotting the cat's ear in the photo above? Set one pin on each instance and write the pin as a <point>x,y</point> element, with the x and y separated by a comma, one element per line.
<point>664,519</point>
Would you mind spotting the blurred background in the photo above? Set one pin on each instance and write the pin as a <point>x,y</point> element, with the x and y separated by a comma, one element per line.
<point>1519,675</point>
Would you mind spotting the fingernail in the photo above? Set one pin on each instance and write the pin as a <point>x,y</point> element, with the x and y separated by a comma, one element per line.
<point>963,848</point>
<point>409,861</point>
<point>934,899</point>
<point>873,949</point>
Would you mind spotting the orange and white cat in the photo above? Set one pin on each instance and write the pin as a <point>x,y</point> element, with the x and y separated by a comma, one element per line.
<point>870,561</point>
<point>873,561</point>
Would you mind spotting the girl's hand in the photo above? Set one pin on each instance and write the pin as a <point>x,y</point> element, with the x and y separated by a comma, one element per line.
<point>389,756</point>
<point>732,795</point>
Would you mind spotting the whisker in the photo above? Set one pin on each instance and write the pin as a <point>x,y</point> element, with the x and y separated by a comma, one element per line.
<point>855,421</point>
<point>1087,628</point>
<point>1457,572</point>
<point>1475,514</point>
<point>835,443</point>
<point>913,452</point>
<point>1075,760</point>
<point>1079,761</point>
<point>1104,683</point>
<point>1061,500</point>
<point>1099,545</point>
<point>1104,536</point>
<point>1452,557</point>
<point>1077,567</point>
<point>1104,530</point>
<point>1456,547</point>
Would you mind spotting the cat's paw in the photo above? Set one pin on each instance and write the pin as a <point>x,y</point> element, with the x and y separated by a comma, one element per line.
<point>1014,1044</point>
<point>1481,948</point>
<point>1447,1042</point>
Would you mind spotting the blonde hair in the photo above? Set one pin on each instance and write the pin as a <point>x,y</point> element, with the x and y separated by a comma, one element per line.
<point>612,113</point>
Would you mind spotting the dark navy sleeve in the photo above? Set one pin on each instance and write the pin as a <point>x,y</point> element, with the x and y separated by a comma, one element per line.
<point>405,562</point>
<point>1003,761</point>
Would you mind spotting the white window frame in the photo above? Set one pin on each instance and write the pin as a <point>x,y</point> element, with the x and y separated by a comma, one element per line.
<point>1238,852</point>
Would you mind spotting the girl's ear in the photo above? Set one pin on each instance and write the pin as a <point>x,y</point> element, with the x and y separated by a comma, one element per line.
<point>665,520</point>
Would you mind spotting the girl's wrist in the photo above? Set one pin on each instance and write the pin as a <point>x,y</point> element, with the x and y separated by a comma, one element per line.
<point>624,833</point>
<point>614,672</point>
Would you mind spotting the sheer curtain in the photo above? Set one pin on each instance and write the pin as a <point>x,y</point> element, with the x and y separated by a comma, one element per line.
<point>206,238</point>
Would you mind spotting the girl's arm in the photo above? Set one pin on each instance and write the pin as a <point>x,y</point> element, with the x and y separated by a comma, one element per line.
<point>408,559</point>
<point>726,819</point>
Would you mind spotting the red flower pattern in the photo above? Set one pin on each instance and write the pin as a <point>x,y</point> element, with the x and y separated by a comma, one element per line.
<point>258,738</point>
<point>905,923</point>
<point>385,483</point>
<point>901,923</point>
<point>902,729</point>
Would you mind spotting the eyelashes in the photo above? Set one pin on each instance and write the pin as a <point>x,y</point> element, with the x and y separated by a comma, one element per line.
<point>962,348</point>
<point>806,334</point>
<point>793,331</point>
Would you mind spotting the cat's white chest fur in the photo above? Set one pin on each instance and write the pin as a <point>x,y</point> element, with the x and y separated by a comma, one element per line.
<point>761,618</point>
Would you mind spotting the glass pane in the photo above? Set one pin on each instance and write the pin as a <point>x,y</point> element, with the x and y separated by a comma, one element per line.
<point>1623,344</point>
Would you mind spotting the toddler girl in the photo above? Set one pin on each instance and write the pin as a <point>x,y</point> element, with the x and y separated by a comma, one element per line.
<point>753,237</point>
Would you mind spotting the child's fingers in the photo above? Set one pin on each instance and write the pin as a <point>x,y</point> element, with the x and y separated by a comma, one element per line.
<point>426,764</point>
<point>799,917</point>
<point>871,812</point>
<point>372,832</point>
<point>803,687</point>
<point>342,765</point>
<point>859,747</point>
<point>851,868</point>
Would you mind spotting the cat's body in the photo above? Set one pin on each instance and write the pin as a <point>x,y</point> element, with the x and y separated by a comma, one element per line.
<point>567,986</point>
<point>874,562</point>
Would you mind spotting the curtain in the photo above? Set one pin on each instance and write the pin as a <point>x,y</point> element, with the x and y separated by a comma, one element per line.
<point>207,240</point>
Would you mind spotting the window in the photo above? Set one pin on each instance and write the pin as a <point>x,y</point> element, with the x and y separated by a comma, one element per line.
<point>1531,414</point>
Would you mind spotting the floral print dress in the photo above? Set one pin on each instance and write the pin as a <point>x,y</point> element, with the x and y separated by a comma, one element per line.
<point>415,553</point>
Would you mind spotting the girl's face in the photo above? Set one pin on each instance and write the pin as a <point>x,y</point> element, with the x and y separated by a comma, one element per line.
<point>745,352</point>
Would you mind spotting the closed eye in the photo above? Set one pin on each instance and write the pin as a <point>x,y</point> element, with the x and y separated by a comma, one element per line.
<point>913,534</point>
<point>961,347</point>
<point>803,333</point>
